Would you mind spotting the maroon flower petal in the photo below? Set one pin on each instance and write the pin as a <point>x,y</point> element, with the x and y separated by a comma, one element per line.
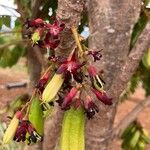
<point>90,107</point>
<point>62,69</point>
<point>34,23</point>
<point>55,29</point>
<point>102,97</point>
<point>96,55</point>
<point>92,71</point>
<point>68,99</point>
<point>42,82</point>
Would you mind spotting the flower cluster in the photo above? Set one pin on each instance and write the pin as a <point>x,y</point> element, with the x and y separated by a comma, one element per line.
<point>26,132</point>
<point>44,34</point>
<point>68,82</point>
<point>71,80</point>
<point>21,130</point>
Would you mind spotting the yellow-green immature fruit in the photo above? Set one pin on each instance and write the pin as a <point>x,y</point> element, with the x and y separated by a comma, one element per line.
<point>11,130</point>
<point>72,136</point>
<point>52,88</point>
<point>36,116</point>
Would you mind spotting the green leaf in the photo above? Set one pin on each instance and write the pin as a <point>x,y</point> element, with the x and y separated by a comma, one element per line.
<point>84,21</point>
<point>6,20</point>
<point>1,22</point>
<point>145,77</point>
<point>10,57</point>
<point>146,59</point>
<point>132,85</point>
<point>138,28</point>
<point>36,116</point>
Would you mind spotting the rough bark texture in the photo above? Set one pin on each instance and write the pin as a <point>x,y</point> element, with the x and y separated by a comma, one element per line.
<point>110,23</point>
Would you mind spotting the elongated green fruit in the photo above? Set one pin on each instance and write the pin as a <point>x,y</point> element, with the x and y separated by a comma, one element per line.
<point>52,88</point>
<point>36,116</point>
<point>11,130</point>
<point>72,136</point>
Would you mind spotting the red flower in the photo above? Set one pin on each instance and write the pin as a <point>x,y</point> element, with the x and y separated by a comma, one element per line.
<point>97,81</point>
<point>70,67</point>
<point>55,28</point>
<point>22,130</point>
<point>47,43</point>
<point>96,55</point>
<point>92,71</point>
<point>90,107</point>
<point>102,97</point>
<point>42,82</point>
<point>35,23</point>
<point>68,99</point>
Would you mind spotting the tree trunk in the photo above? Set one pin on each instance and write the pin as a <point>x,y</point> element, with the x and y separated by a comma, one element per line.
<point>69,11</point>
<point>111,24</point>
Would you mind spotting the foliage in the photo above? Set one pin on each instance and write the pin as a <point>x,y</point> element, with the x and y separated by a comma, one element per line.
<point>135,137</point>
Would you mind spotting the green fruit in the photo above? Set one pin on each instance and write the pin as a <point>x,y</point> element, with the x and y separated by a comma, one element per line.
<point>72,136</point>
<point>36,115</point>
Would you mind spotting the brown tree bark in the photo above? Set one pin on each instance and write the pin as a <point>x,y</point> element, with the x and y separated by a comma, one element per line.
<point>111,24</point>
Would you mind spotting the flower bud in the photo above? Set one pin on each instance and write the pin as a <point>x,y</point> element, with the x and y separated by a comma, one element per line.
<point>35,37</point>
<point>101,95</point>
<point>68,99</point>
<point>11,130</point>
<point>90,107</point>
<point>92,71</point>
<point>96,79</point>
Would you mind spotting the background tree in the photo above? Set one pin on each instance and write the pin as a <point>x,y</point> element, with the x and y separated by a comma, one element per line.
<point>121,29</point>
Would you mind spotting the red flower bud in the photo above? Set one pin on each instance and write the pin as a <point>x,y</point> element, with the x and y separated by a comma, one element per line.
<point>102,97</point>
<point>90,107</point>
<point>42,82</point>
<point>92,71</point>
<point>68,99</point>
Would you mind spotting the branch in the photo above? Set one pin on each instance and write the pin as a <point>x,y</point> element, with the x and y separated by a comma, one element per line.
<point>40,56</point>
<point>130,117</point>
<point>9,32</point>
<point>35,8</point>
<point>131,63</point>
<point>13,43</point>
<point>22,10</point>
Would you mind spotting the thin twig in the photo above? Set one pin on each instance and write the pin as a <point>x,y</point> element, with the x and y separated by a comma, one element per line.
<point>14,42</point>
<point>76,37</point>
<point>9,32</point>
<point>130,117</point>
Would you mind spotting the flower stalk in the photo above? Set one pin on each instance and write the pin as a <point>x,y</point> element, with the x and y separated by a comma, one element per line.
<point>76,37</point>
